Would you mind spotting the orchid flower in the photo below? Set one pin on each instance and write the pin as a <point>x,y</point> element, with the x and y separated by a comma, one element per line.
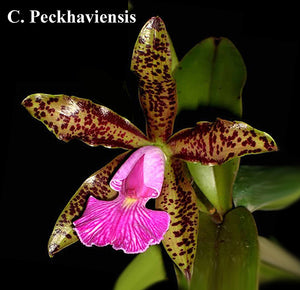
<point>123,195</point>
<point>125,222</point>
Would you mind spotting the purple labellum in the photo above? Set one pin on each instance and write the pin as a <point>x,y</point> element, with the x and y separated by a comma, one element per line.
<point>125,222</point>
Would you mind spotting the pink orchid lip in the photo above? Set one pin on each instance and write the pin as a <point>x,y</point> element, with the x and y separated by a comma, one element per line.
<point>125,222</point>
<point>153,169</point>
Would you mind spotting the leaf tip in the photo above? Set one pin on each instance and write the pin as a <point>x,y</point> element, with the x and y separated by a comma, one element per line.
<point>156,23</point>
<point>27,102</point>
<point>52,249</point>
<point>269,143</point>
<point>188,274</point>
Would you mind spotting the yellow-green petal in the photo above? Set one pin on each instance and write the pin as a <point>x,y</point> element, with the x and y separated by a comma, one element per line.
<point>215,143</point>
<point>75,118</point>
<point>152,63</point>
<point>178,198</point>
<point>96,185</point>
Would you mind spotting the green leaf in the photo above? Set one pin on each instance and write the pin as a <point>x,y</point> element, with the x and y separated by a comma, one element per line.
<point>276,263</point>
<point>145,270</point>
<point>266,188</point>
<point>216,182</point>
<point>227,255</point>
<point>212,74</point>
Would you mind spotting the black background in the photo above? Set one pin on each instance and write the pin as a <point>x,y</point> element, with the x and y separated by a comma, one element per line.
<point>92,61</point>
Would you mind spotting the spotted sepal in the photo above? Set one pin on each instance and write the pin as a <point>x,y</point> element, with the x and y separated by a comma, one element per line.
<point>97,185</point>
<point>75,118</point>
<point>178,198</point>
<point>152,62</point>
<point>217,142</point>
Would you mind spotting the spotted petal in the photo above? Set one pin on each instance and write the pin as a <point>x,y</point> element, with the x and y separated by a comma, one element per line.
<point>152,62</point>
<point>96,185</point>
<point>74,118</point>
<point>178,198</point>
<point>218,142</point>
